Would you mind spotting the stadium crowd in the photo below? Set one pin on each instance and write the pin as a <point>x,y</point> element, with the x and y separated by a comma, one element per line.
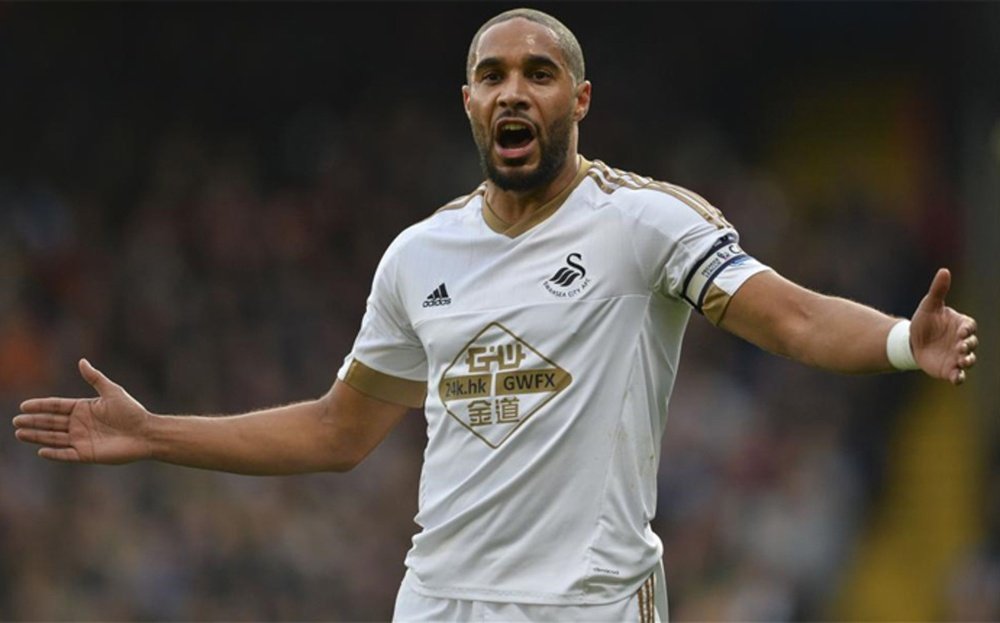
<point>213,272</point>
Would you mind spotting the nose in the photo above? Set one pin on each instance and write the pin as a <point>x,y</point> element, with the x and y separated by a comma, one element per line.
<point>513,93</point>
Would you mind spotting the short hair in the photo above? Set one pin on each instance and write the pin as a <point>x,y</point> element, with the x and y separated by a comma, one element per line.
<point>568,45</point>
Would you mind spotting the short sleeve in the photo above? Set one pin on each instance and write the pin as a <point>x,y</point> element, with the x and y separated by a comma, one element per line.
<point>387,361</point>
<point>688,251</point>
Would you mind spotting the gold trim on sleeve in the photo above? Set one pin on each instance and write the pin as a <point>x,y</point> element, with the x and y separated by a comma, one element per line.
<point>385,386</point>
<point>715,303</point>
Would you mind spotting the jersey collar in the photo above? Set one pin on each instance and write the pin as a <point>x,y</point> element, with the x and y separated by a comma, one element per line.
<point>513,230</point>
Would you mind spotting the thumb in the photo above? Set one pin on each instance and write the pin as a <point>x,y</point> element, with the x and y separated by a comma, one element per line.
<point>938,291</point>
<point>95,377</point>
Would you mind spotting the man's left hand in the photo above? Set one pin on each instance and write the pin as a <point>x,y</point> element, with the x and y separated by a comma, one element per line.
<point>943,341</point>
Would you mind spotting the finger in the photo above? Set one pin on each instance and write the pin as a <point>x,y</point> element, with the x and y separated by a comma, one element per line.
<point>42,421</point>
<point>60,454</point>
<point>95,377</point>
<point>969,327</point>
<point>958,377</point>
<point>967,361</point>
<point>939,288</point>
<point>51,438</point>
<point>969,344</point>
<point>62,406</point>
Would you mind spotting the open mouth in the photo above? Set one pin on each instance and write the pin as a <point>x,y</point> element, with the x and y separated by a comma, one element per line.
<point>514,139</point>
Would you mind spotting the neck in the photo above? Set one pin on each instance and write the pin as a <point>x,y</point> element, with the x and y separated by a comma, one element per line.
<point>513,206</point>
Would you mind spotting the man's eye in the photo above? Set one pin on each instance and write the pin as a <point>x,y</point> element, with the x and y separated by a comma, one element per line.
<point>541,75</point>
<point>490,77</point>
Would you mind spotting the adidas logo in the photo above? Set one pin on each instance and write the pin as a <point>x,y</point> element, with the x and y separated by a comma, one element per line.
<point>438,297</point>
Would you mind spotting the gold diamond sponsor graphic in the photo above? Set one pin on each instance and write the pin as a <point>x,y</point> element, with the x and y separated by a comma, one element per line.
<point>497,382</point>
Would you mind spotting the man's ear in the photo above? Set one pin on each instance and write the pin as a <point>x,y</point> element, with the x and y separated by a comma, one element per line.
<point>583,93</point>
<point>465,100</point>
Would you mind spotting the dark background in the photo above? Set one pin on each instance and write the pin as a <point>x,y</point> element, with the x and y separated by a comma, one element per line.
<point>195,196</point>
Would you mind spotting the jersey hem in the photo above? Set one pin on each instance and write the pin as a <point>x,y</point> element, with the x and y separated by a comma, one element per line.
<point>524,597</point>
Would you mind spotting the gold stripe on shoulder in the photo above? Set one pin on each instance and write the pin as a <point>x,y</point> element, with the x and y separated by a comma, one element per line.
<point>461,202</point>
<point>385,387</point>
<point>599,172</point>
<point>637,180</point>
<point>609,179</point>
<point>694,201</point>
<point>601,183</point>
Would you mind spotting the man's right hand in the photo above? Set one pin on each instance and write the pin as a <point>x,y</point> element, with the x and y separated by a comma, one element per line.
<point>107,429</point>
<point>331,433</point>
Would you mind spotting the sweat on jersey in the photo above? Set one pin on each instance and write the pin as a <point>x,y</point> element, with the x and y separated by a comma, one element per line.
<point>543,354</point>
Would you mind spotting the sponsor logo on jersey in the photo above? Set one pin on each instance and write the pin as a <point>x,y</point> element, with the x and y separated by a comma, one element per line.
<point>568,280</point>
<point>497,382</point>
<point>438,297</point>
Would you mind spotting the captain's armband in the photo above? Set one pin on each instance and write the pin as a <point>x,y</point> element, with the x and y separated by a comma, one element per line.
<point>725,253</point>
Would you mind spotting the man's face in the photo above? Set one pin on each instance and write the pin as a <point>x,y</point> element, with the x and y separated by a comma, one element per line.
<point>523,105</point>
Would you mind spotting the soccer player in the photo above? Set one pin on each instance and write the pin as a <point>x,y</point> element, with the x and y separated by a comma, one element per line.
<point>538,322</point>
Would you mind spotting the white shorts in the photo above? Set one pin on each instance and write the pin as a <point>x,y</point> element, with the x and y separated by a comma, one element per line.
<point>647,605</point>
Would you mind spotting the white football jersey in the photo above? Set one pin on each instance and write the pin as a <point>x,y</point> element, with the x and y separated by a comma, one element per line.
<point>543,355</point>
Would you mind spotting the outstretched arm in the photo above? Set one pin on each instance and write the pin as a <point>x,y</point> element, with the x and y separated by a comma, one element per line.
<point>844,336</point>
<point>332,433</point>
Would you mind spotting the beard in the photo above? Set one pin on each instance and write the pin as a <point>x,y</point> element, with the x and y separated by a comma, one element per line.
<point>553,144</point>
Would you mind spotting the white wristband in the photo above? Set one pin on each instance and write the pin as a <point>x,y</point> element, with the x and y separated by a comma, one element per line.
<point>897,347</point>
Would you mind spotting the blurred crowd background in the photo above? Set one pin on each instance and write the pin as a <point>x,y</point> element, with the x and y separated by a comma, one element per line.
<point>195,196</point>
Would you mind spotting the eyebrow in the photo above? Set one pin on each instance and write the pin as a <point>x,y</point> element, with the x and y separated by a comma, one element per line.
<point>532,60</point>
<point>487,63</point>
